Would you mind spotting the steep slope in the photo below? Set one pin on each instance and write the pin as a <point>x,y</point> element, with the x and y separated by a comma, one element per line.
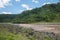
<point>46,13</point>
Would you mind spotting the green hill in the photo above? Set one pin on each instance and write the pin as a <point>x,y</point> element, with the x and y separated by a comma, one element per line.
<point>46,13</point>
<point>7,17</point>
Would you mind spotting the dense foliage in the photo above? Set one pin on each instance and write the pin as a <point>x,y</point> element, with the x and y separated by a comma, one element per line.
<point>13,32</point>
<point>46,13</point>
<point>7,17</point>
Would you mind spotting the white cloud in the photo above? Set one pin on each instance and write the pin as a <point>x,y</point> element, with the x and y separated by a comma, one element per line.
<point>35,1</point>
<point>6,13</point>
<point>4,3</point>
<point>17,0</point>
<point>46,3</point>
<point>1,5</point>
<point>26,6</point>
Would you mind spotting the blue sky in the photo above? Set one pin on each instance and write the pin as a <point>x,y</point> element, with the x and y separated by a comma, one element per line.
<point>17,6</point>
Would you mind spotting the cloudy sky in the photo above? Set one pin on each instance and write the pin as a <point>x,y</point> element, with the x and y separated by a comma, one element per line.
<point>17,6</point>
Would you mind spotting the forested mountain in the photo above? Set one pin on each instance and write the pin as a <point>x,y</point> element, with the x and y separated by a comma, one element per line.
<point>46,13</point>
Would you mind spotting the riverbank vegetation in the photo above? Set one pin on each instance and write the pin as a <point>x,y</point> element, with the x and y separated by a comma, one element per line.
<point>11,32</point>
